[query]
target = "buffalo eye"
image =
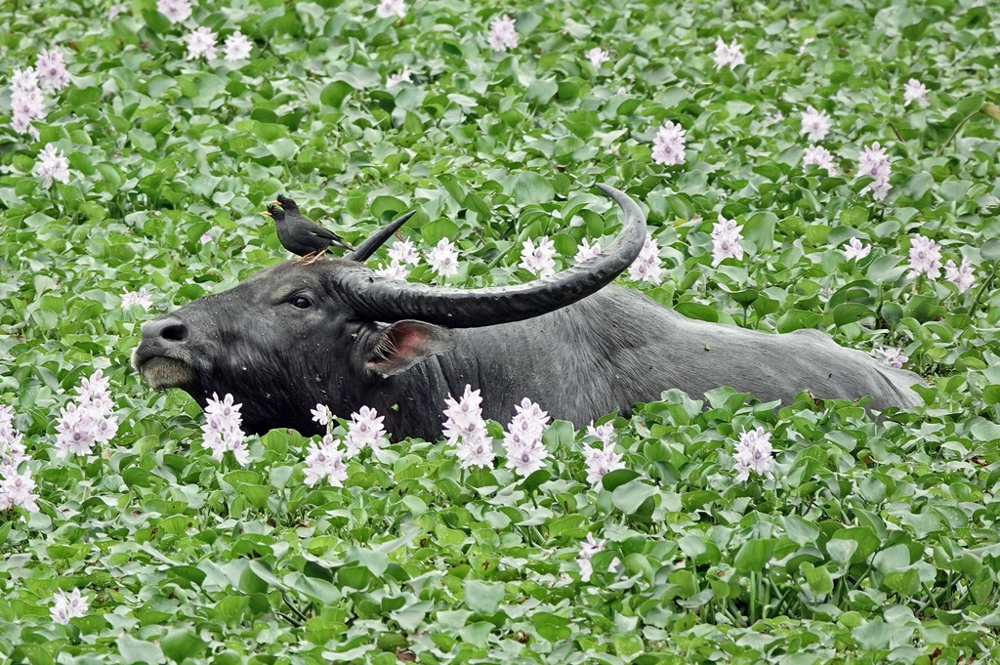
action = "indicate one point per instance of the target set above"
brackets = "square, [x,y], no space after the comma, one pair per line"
[301,302]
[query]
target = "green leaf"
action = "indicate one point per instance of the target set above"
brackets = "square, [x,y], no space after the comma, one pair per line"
[630,496]
[483,597]
[760,230]
[551,627]
[435,231]
[615,479]
[970,104]
[697,311]
[851,313]
[180,644]
[873,635]
[819,578]
[387,206]
[356,577]
[283,148]
[754,555]
[892,559]
[532,188]
[990,249]
[335,93]
[800,531]
[924,308]
[853,217]
[230,609]
[132,650]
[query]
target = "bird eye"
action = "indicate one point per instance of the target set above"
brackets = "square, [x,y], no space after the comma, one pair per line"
[301,302]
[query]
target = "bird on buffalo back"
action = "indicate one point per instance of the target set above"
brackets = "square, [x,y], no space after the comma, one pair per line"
[299,235]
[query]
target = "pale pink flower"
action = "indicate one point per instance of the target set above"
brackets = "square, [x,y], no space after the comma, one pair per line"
[24,80]
[891,357]
[443,259]
[51,70]
[404,252]
[731,55]
[388,8]
[816,124]
[140,298]
[461,412]
[88,421]
[223,429]
[26,103]
[753,454]
[925,257]
[819,156]
[395,270]
[539,260]
[726,237]
[961,276]
[201,43]
[322,415]
[874,163]
[476,450]
[524,457]
[855,249]
[529,420]
[17,489]
[669,144]
[401,76]
[915,91]
[647,267]
[237,47]
[586,251]
[597,57]
[466,428]
[52,165]
[603,433]
[69,606]
[365,430]
[325,460]
[503,35]
[464,417]
[12,450]
[602,461]
[523,439]
[175,10]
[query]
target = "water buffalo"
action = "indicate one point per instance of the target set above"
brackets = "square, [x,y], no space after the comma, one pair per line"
[292,336]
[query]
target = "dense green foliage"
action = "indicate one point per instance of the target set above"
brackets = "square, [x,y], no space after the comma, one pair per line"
[874,541]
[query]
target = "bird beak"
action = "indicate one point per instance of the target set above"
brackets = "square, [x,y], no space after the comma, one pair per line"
[276,203]
[266,212]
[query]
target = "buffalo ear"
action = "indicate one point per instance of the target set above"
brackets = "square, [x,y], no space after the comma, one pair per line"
[406,343]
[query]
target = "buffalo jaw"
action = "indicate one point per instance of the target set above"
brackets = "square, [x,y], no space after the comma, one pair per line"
[162,373]
[160,365]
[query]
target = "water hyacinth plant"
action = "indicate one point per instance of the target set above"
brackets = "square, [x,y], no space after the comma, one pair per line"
[827,168]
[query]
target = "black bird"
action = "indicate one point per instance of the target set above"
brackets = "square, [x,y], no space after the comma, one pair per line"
[299,235]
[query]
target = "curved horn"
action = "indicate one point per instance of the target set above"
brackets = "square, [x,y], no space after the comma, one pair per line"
[362,252]
[382,299]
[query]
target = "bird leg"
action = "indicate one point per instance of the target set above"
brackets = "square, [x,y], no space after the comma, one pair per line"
[312,258]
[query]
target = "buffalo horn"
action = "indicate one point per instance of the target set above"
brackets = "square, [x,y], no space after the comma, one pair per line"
[362,252]
[383,299]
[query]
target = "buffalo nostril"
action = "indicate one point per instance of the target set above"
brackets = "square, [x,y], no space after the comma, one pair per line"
[168,328]
[175,333]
